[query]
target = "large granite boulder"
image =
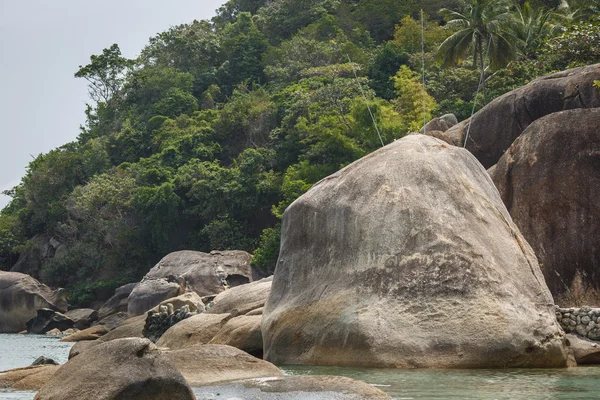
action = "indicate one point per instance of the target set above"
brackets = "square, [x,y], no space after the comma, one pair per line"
[29,378]
[206,364]
[549,180]
[296,387]
[496,126]
[42,249]
[82,317]
[20,298]
[132,369]
[408,258]
[242,299]
[150,292]
[118,302]
[199,329]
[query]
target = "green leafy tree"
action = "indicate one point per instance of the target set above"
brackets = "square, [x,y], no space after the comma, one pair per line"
[105,73]
[413,104]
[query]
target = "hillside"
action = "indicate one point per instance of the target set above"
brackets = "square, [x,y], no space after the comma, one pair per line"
[204,140]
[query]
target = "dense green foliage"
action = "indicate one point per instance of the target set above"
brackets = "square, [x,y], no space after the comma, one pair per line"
[204,140]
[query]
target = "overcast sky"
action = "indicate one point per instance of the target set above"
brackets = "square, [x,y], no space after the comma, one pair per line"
[43,42]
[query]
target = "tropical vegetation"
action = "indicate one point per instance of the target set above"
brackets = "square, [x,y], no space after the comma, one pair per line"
[203,140]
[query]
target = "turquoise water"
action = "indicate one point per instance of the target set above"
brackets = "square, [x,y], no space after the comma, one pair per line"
[513,384]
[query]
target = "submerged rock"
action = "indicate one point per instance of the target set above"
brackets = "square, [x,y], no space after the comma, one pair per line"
[119,370]
[297,388]
[43,360]
[549,181]
[20,298]
[408,258]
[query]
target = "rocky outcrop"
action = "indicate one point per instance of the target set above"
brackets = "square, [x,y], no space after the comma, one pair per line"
[20,298]
[150,292]
[82,317]
[46,320]
[242,332]
[549,180]
[121,369]
[118,302]
[408,258]
[199,329]
[242,299]
[206,364]
[296,387]
[585,351]
[42,249]
[29,378]
[497,125]
[93,333]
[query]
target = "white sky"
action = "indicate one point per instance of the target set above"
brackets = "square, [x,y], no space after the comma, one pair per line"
[42,44]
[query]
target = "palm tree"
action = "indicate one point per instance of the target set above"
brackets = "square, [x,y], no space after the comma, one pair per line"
[482,29]
[531,26]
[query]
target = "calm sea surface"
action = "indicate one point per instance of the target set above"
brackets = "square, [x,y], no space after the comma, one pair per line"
[515,384]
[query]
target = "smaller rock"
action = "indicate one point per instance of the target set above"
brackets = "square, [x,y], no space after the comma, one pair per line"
[54,331]
[47,320]
[41,360]
[29,378]
[586,352]
[82,317]
[130,328]
[206,364]
[113,320]
[585,320]
[118,302]
[199,329]
[93,333]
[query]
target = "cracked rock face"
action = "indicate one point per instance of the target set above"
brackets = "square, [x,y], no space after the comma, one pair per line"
[496,126]
[549,181]
[408,258]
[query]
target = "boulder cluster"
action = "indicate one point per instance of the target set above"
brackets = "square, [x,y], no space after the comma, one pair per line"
[413,256]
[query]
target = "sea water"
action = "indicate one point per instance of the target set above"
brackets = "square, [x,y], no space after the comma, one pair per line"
[424,384]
